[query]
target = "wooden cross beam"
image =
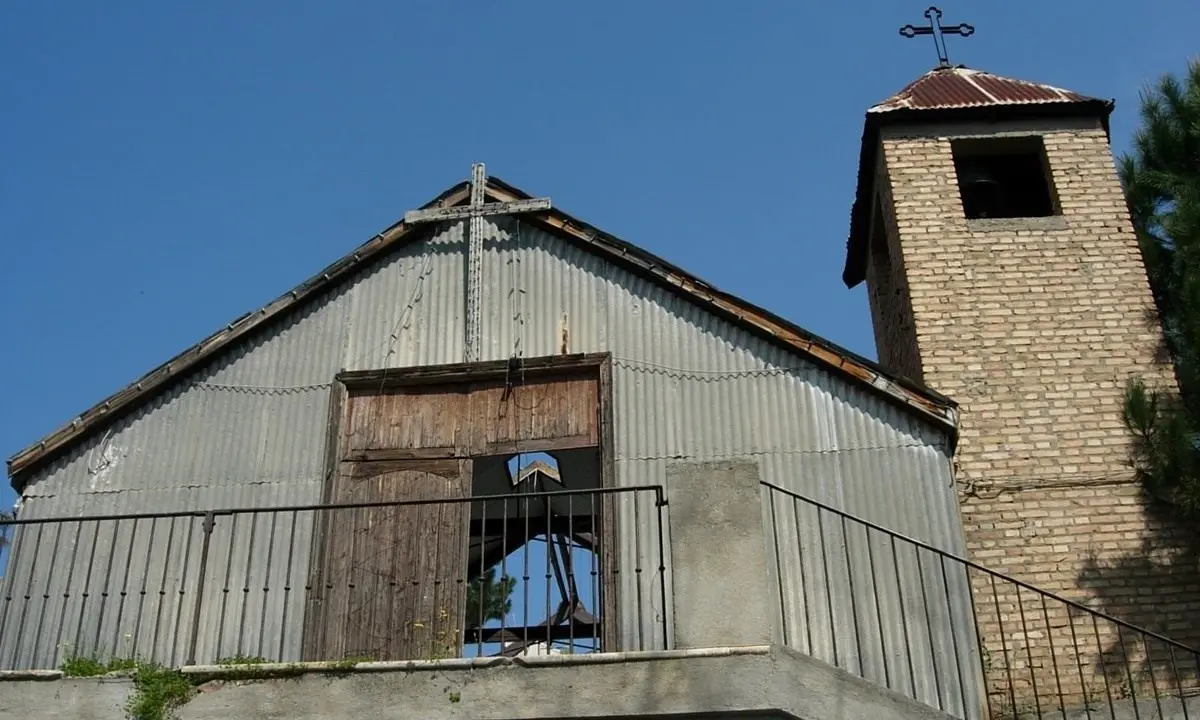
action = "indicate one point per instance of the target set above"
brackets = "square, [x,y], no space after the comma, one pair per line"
[474,212]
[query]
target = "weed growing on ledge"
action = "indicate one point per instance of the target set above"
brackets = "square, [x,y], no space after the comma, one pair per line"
[157,691]
[235,660]
[345,665]
[90,667]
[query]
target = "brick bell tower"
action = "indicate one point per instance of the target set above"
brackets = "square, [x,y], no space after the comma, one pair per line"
[1003,271]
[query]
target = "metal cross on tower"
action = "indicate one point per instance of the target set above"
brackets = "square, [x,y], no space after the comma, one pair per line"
[939,32]
[474,212]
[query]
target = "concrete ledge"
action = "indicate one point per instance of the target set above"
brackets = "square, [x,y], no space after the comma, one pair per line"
[30,675]
[766,681]
[715,682]
[450,664]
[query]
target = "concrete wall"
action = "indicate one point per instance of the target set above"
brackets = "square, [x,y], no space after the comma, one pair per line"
[722,587]
[1033,326]
[66,699]
[734,682]
[727,683]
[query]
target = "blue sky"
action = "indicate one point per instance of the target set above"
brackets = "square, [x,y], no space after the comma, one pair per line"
[169,166]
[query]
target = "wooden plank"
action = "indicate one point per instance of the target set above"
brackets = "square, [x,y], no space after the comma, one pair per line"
[535,414]
[465,211]
[314,611]
[610,618]
[397,574]
[402,454]
[336,582]
[542,444]
[358,598]
[584,363]
[407,418]
[453,545]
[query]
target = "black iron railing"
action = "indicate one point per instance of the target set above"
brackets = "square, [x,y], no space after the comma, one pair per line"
[419,579]
[955,635]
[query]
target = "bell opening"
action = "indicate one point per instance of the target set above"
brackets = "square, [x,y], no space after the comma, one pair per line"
[1003,178]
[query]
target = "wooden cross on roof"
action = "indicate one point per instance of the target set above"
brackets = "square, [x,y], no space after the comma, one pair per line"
[474,212]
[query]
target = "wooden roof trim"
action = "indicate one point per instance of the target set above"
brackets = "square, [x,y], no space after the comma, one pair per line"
[922,400]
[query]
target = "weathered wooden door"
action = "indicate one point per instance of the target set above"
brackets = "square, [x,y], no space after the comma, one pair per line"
[389,582]
[392,577]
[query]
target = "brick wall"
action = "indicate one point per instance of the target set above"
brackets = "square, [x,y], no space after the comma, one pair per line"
[1033,326]
[887,289]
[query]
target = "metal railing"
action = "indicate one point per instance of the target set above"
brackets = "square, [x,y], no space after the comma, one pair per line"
[955,635]
[418,579]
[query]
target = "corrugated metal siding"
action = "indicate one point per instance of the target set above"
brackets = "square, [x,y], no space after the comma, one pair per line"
[687,385]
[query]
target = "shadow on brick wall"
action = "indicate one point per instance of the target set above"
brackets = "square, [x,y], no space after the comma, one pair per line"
[1156,588]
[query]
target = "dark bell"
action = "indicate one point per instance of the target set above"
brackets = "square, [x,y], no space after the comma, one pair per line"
[982,193]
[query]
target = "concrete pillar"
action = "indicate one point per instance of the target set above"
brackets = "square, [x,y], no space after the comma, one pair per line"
[718,555]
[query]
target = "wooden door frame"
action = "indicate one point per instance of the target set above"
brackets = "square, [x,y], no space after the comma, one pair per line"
[598,365]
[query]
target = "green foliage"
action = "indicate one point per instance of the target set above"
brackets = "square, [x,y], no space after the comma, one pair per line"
[490,596]
[235,660]
[1161,177]
[79,666]
[346,664]
[5,530]
[249,668]
[158,692]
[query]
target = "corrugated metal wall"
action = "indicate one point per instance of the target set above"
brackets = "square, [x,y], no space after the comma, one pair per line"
[250,430]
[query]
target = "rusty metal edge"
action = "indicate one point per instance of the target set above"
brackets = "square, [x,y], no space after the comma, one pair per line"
[932,405]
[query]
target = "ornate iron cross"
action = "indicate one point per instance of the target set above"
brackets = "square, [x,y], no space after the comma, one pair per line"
[939,32]
[474,212]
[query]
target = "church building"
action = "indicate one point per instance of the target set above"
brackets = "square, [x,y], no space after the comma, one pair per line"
[496,441]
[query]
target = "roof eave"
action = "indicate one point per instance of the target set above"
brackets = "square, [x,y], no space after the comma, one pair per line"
[854,271]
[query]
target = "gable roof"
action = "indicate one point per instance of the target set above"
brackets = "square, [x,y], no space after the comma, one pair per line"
[951,94]
[923,401]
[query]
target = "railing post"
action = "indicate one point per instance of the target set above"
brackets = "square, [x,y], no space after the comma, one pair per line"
[209,521]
